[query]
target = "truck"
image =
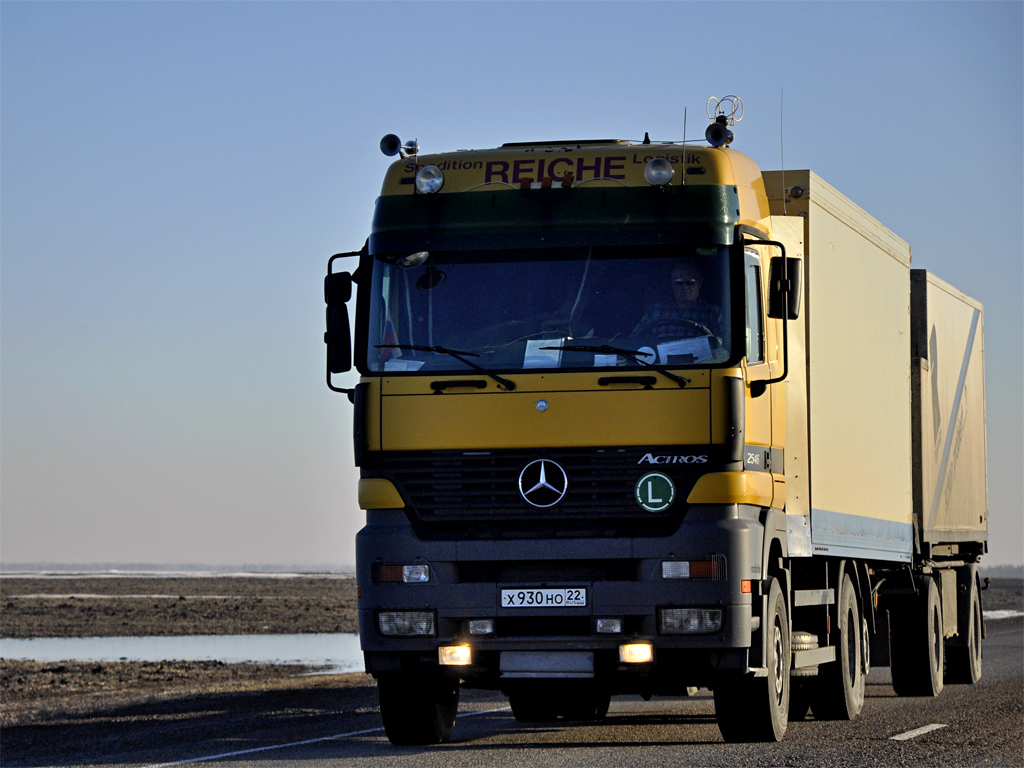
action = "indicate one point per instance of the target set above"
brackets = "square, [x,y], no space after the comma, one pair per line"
[635,418]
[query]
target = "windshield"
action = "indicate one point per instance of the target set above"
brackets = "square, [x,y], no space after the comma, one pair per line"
[559,308]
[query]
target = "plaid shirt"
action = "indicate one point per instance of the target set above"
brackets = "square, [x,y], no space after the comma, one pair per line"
[663,319]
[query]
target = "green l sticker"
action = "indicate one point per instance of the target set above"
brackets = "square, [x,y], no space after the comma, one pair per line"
[655,492]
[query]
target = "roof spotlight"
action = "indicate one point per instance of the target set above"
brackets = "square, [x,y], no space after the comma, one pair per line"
[429,179]
[659,172]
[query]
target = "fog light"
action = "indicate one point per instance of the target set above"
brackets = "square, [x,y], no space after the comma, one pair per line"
[636,653]
[609,626]
[454,655]
[406,623]
[481,627]
[429,179]
[690,621]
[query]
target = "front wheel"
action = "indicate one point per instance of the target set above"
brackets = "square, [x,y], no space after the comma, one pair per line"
[418,710]
[752,709]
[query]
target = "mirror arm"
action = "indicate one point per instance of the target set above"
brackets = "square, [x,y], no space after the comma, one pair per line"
[758,388]
[350,393]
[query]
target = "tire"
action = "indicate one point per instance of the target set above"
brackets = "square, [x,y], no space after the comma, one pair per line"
[838,692]
[963,662]
[418,710]
[917,646]
[752,709]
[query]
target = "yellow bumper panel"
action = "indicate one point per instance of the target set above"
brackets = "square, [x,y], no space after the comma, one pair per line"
[377,493]
[733,488]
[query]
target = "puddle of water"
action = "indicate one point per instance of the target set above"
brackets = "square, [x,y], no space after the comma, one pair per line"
[340,652]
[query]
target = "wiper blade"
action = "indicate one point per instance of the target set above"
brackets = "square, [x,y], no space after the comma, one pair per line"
[629,354]
[458,355]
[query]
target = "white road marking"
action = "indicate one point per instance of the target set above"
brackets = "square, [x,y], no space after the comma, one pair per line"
[335,737]
[918,732]
[996,615]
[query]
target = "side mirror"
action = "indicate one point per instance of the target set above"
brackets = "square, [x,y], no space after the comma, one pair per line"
[784,300]
[338,338]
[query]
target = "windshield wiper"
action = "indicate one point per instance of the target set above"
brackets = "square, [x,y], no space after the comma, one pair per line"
[629,354]
[458,355]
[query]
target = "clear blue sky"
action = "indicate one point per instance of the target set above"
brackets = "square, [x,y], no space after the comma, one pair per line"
[173,177]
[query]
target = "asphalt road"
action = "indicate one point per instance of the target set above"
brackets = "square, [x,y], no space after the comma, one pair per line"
[981,725]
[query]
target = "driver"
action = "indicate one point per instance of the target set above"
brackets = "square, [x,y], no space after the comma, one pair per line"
[687,314]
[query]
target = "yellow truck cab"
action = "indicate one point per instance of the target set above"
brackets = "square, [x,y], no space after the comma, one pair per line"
[589,389]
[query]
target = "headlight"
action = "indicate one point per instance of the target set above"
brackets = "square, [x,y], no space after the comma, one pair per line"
[406,623]
[659,172]
[690,621]
[429,179]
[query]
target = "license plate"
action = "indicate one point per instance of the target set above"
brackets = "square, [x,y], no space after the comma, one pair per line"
[569,597]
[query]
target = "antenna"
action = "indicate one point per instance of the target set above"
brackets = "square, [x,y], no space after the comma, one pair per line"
[782,143]
[683,179]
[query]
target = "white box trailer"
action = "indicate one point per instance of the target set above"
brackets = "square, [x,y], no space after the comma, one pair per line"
[948,394]
[850,373]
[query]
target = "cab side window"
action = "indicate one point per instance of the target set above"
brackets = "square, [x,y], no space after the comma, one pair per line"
[755,325]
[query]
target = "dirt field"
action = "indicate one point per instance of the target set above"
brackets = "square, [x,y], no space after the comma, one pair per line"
[137,606]
[36,692]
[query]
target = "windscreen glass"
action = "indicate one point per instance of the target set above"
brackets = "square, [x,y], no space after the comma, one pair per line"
[555,309]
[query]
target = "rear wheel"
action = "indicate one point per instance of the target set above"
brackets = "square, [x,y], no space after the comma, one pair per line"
[418,710]
[839,689]
[917,646]
[757,708]
[963,662]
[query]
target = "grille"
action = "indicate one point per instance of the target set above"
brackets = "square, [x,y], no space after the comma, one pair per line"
[454,485]
[541,571]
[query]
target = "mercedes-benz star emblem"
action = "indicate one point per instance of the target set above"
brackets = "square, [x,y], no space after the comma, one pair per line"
[543,483]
